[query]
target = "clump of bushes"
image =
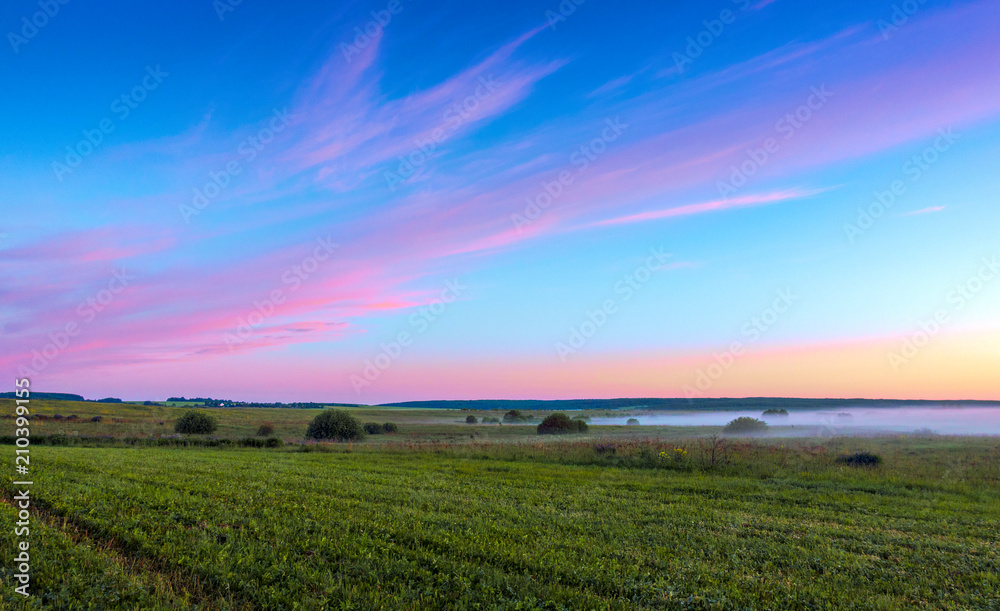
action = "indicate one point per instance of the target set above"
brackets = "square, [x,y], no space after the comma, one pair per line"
[265,430]
[515,416]
[390,427]
[195,422]
[57,417]
[373,428]
[471,420]
[96,419]
[745,424]
[337,425]
[632,421]
[490,420]
[558,424]
[860,459]
[775,412]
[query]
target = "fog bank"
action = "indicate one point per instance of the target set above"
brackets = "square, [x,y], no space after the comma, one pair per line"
[846,421]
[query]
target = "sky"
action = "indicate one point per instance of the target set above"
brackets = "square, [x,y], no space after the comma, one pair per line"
[403,200]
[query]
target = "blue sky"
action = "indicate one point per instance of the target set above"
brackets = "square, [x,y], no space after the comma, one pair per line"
[643,110]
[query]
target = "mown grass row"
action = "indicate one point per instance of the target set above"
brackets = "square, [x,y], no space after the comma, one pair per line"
[431,529]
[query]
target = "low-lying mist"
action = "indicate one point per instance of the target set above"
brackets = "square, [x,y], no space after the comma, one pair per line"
[845,421]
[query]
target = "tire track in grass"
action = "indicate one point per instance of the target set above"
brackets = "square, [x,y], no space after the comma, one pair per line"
[141,568]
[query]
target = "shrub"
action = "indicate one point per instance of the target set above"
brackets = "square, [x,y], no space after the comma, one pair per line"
[390,427]
[775,412]
[860,459]
[513,416]
[264,430]
[195,422]
[373,428]
[335,424]
[273,442]
[633,421]
[471,420]
[490,420]
[57,417]
[558,424]
[96,419]
[745,424]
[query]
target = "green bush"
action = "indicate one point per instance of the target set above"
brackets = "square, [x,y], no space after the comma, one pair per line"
[337,425]
[273,442]
[560,424]
[514,416]
[745,424]
[264,430]
[775,412]
[490,420]
[860,459]
[196,422]
[373,428]
[471,420]
[632,421]
[390,427]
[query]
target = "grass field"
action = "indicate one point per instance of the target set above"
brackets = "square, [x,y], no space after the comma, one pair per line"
[615,519]
[516,526]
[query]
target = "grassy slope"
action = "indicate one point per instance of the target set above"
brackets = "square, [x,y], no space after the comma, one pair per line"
[496,527]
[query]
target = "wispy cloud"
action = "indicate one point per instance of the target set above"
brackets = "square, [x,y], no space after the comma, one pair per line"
[928,210]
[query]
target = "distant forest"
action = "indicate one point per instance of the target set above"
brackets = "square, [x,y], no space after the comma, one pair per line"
[750,403]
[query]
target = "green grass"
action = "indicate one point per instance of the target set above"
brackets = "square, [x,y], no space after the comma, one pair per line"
[562,525]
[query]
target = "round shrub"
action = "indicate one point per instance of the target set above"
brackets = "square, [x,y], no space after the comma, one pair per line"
[471,420]
[860,459]
[195,422]
[373,428]
[335,424]
[560,424]
[273,442]
[745,424]
[514,416]
[264,430]
[96,419]
[390,427]
[632,421]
